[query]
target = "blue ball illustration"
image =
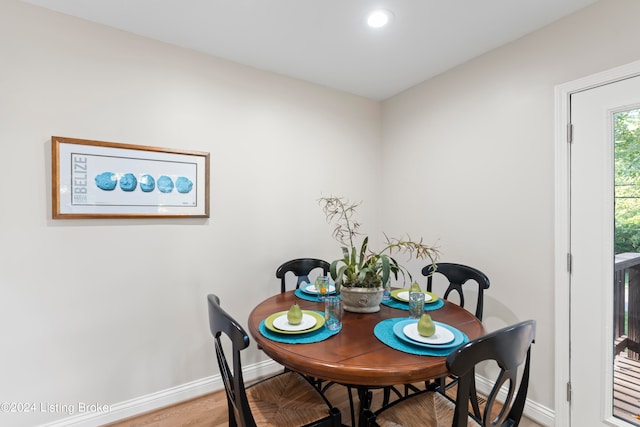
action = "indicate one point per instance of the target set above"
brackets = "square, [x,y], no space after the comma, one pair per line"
[106,181]
[128,182]
[183,185]
[165,184]
[147,183]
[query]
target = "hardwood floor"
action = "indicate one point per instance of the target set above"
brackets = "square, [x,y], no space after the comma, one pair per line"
[211,411]
[207,411]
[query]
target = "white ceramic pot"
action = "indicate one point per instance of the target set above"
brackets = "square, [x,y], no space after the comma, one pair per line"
[361,300]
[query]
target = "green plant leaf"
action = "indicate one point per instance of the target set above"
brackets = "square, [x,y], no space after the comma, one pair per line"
[386,268]
[362,266]
[363,252]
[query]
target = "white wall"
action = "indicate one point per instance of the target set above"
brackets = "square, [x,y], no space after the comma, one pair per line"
[470,159]
[110,310]
[106,311]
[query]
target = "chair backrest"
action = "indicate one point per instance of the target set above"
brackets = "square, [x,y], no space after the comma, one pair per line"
[300,267]
[510,348]
[220,322]
[458,275]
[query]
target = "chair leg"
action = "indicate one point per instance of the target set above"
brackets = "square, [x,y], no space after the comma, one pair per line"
[386,396]
[351,407]
[367,419]
[387,393]
[365,395]
[473,395]
[336,417]
[231,414]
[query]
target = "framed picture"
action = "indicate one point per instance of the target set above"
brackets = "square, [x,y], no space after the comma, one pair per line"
[95,179]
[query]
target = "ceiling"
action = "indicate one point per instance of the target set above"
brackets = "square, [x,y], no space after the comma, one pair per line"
[326,41]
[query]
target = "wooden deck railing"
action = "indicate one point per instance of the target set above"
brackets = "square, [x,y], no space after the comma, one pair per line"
[627,299]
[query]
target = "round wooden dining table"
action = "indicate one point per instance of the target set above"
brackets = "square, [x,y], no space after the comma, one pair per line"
[354,356]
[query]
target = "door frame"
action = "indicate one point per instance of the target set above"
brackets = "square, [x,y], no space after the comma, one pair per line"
[562,95]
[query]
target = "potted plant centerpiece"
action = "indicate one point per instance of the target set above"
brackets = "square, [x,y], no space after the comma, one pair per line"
[361,274]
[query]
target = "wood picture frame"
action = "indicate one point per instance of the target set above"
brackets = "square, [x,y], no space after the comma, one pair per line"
[97,179]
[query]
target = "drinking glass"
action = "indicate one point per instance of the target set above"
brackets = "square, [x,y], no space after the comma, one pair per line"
[333,312]
[416,304]
[386,295]
[322,286]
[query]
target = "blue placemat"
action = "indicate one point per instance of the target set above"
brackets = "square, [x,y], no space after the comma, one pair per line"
[318,335]
[308,297]
[401,305]
[384,332]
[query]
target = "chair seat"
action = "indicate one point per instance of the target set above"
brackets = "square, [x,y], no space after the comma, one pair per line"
[286,400]
[426,409]
[509,348]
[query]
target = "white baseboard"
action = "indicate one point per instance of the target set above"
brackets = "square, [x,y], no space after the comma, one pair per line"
[163,398]
[151,402]
[532,410]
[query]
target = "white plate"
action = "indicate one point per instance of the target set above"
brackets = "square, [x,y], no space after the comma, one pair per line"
[404,296]
[281,322]
[441,336]
[311,289]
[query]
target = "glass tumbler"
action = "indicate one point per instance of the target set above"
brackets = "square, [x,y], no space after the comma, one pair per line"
[333,312]
[416,304]
[386,295]
[322,286]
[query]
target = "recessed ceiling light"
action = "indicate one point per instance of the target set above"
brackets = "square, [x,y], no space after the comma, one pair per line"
[379,18]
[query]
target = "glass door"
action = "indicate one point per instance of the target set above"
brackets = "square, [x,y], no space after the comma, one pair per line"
[605,263]
[626,296]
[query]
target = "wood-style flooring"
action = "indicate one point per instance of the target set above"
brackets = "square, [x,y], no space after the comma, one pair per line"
[211,411]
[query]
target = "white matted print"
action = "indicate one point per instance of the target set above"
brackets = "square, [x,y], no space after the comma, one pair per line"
[95,179]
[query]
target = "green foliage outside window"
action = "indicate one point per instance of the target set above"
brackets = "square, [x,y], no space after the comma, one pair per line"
[627,181]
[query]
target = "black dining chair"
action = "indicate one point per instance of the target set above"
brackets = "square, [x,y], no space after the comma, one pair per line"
[509,347]
[285,399]
[300,267]
[460,277]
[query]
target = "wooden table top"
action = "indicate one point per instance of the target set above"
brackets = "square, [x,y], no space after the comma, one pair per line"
[355,356]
